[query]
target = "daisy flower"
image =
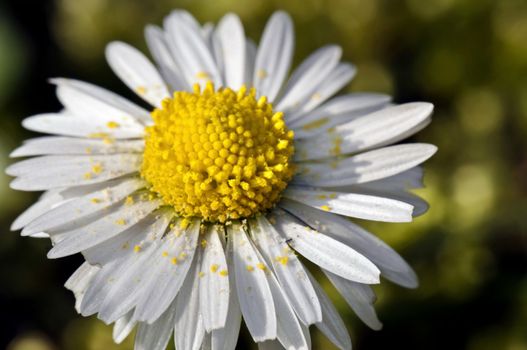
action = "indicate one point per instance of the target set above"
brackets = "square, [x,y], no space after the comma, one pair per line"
[195,212]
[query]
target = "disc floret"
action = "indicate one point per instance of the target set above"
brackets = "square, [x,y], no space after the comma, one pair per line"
[218,155]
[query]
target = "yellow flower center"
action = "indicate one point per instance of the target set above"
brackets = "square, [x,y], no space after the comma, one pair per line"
[218,155]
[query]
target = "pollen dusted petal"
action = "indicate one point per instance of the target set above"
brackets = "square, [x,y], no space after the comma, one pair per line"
[218,155]
[214,285]
[252,287]
[288,270]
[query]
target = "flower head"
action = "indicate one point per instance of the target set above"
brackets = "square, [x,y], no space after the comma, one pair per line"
[194,214]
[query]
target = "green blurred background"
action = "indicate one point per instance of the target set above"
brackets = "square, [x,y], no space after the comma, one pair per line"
[467,57]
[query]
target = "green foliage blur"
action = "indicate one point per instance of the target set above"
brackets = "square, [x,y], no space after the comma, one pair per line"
[468,57]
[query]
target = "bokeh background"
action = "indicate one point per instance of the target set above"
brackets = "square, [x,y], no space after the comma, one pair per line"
[468,57]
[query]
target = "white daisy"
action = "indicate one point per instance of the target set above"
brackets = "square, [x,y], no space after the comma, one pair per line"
[182,212]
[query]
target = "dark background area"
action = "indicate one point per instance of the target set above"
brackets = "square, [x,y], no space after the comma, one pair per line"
[468,57]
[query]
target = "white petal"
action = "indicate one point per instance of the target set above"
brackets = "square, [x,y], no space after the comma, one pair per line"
[392,266]
[79,282]
[116,288]
[47,172]
[214,284]
[324,251]
[189,330]
[108,282]
[158,46]
[213,43]
[289,330]
[379,128]
[332,325]
[40,235]
[410,179]
[364,167]
[336,80]
[155,336]
[346,106]
[166,275]
[94,127]
[190,51]
[231,37]
[83,206]
[351,204]
[274,55]
[38,164]
[123,327]
[338,110]
[44,203]
[103,229]
[119,247]
[307,335]
[187,18]
[308,75]
[420,206]
[256,300]
[359,297]
[88,100]
[250,58]
[52,145]
[288,270]
[226,338]
[137,72]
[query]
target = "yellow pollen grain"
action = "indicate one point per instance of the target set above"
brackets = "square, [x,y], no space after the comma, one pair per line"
[97,168]
[315,125]
[316,96]
[164,254]
[336,150]
[112,125]
[282,259]
[322,196]
[223,273]
[201,274]
[105,137]
[261,73]
[121,222]
[218,154]
[202,75]
[261,266]
[141,90]
[184,223]
[173,261]
[129,200]
[98,135]
[203,243]
[214,268]
[95,200]
[137,248]
[325,207]
[250,268]
[88,175]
